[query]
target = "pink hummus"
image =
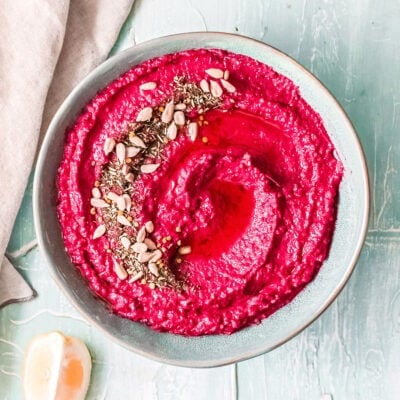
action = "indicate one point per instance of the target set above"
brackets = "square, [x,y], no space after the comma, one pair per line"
[255,200]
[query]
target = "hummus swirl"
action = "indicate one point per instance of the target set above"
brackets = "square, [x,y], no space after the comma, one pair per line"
[254,196]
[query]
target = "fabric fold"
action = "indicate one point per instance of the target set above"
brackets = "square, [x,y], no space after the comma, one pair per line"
[13,288]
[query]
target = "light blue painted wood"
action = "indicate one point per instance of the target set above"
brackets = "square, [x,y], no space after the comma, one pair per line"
[353,350]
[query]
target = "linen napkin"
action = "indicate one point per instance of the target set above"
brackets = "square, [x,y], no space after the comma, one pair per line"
[46,48]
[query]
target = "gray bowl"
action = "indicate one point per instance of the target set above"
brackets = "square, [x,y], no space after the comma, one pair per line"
[213,350]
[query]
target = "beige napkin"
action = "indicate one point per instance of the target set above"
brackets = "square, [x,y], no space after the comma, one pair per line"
[46,47]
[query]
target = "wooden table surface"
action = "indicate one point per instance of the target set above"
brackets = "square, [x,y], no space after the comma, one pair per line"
[352,352]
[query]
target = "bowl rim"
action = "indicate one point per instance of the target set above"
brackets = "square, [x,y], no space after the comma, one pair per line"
[40,167]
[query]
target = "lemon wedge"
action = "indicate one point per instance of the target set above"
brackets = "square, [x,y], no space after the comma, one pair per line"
[56,367]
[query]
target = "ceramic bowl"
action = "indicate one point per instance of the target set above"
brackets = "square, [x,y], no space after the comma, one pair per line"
[213,350]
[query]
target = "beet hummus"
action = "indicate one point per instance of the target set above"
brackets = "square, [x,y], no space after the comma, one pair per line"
[197,192]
